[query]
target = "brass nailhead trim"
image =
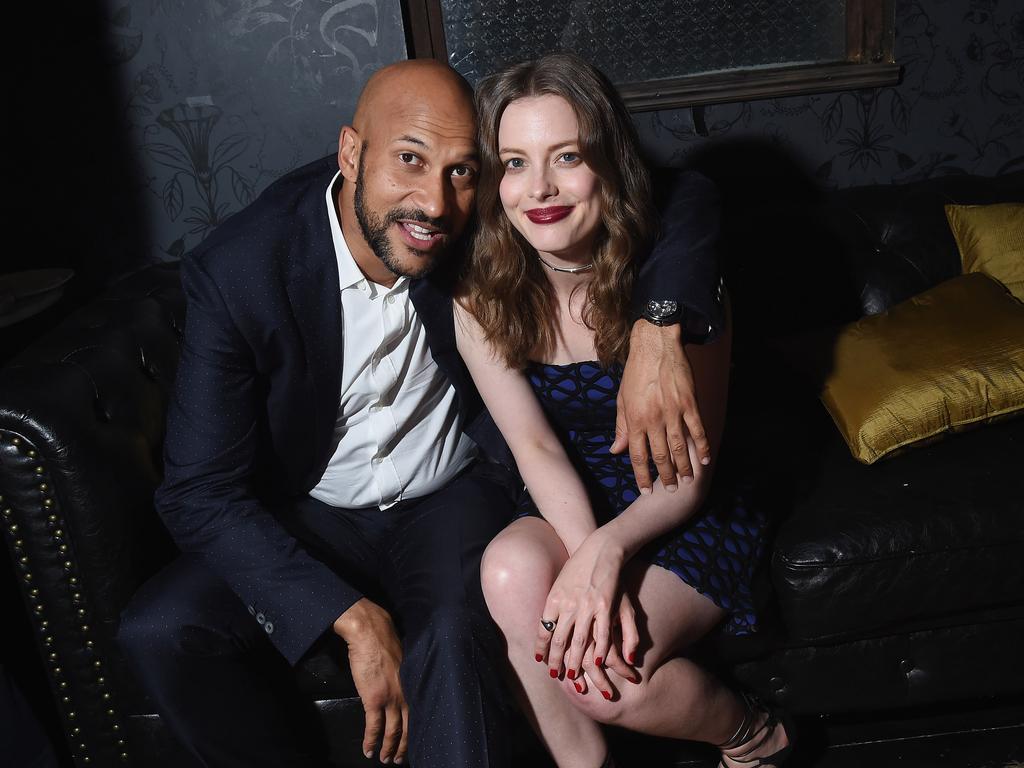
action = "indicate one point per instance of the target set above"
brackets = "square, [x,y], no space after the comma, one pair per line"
[23,560]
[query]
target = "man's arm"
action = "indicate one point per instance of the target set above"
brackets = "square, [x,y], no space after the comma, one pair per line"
[207,502]
[683,265]
[657,405]
[206,498]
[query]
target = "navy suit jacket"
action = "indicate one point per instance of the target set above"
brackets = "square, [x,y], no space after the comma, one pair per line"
[259,382]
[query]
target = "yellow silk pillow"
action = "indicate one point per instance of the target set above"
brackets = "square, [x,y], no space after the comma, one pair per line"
[991,240]
[946,359]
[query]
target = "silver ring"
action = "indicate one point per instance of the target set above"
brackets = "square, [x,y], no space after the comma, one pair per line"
[548,624]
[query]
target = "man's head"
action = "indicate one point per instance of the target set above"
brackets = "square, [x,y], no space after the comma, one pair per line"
[410,163]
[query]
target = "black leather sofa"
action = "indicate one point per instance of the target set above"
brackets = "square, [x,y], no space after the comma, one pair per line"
[892,587]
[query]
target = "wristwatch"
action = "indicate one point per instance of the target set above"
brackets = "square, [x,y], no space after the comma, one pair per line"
[661,312]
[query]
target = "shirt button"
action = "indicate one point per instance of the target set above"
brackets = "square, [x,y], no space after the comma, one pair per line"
[376,460]
[374,408]
[390,299]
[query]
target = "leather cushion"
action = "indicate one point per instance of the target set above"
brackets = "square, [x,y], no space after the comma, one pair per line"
[931,534]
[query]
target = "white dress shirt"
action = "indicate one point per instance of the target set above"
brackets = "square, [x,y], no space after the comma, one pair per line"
[398,434]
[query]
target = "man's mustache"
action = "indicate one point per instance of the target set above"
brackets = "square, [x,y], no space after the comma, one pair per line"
[439,223]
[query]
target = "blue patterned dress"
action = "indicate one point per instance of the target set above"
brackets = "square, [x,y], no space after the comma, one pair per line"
[715,551]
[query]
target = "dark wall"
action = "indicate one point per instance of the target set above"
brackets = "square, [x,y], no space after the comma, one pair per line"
[959,108]
[139,125]
[221,98]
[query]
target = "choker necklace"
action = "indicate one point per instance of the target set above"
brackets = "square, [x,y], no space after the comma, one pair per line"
[567,270]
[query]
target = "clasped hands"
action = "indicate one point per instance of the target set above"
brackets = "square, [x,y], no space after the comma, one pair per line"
[594,620]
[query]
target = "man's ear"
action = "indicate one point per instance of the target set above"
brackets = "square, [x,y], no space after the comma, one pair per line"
[349,147]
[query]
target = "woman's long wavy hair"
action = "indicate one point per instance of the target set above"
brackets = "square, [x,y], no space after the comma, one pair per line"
[504,284]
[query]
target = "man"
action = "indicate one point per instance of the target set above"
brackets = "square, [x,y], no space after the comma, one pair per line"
[321,453]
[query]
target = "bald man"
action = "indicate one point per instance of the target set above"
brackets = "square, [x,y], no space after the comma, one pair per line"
[330,471]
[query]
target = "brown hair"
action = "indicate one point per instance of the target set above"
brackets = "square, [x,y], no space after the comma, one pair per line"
[504,284]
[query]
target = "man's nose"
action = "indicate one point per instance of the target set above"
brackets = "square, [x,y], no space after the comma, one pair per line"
[432,195]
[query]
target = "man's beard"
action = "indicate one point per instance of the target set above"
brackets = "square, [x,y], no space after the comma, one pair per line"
[375,232]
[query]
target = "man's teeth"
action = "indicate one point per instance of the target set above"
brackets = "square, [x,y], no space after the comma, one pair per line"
[420,233]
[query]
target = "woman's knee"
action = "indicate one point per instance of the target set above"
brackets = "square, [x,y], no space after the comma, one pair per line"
[516,573]
[512,568]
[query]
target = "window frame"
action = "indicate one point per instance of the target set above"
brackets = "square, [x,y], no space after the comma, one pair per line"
[869,63]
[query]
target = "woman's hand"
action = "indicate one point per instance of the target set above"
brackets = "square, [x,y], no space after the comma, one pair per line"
[613,658]
[581,602]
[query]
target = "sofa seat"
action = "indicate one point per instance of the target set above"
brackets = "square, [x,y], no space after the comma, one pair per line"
[928,535]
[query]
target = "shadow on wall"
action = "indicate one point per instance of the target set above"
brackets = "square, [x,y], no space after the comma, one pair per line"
[778,251]
[77,203]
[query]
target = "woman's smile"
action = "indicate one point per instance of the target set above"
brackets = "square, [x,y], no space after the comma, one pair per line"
[549,214]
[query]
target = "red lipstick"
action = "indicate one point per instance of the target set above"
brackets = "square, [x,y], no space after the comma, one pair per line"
[548,215]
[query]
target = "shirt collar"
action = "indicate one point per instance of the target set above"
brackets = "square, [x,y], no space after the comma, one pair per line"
[349,274]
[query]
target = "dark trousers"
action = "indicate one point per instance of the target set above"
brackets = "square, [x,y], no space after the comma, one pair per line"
[216,679]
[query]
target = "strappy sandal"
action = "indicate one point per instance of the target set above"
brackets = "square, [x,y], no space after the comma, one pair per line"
[753,736]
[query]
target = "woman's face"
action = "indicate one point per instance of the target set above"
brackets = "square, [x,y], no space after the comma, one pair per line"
[549,194]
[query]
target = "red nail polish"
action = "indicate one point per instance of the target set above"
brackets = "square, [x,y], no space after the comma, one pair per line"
[539,657]
[579,688]
[606,695]
[632,658]
[553,672]
[599,660]
[571,674]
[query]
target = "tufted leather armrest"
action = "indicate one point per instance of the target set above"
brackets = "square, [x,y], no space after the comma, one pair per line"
[820,259]
[81,428]
[896,240]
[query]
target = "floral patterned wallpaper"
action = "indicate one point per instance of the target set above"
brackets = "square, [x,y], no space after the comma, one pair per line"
[958,109]
[148,122]
[221,97]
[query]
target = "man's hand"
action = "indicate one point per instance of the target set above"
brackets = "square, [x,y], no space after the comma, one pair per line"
[657,406]
[375,654]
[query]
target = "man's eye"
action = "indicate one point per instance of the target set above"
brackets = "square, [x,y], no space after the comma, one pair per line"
[409,158]
[463,171]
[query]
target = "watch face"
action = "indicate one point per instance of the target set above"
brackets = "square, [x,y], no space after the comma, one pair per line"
[662,309]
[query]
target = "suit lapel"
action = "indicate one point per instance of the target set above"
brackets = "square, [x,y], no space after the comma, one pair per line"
[316,305]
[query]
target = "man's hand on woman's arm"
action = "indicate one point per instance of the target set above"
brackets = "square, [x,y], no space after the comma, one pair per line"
[678,290]
[657,407]
[375,655]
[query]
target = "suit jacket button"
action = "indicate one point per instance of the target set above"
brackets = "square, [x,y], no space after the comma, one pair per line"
[269,627]
[252,611]
[260,618]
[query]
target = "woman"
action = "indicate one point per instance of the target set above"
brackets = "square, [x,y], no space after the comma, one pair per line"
[543,324]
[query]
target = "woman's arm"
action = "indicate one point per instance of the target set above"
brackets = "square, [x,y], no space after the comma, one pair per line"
[604,553]
[551,479]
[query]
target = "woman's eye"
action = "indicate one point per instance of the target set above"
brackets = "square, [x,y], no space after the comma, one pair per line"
[514,163]
[568,157]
